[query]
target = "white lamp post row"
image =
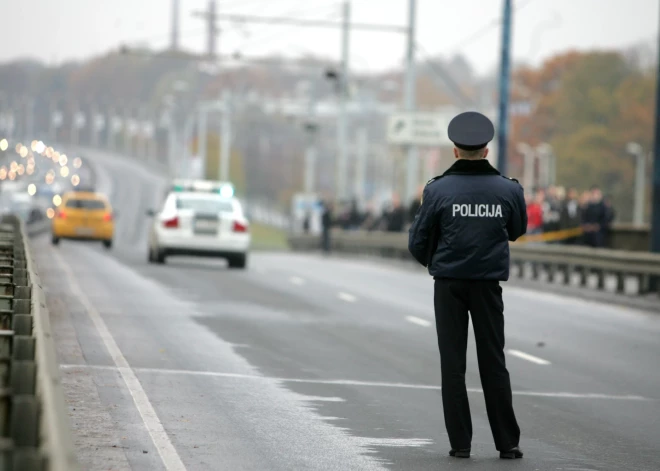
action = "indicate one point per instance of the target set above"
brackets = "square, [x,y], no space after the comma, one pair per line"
[548,171]
[548,165]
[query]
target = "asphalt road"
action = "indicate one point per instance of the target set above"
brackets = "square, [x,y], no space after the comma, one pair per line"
[306,362]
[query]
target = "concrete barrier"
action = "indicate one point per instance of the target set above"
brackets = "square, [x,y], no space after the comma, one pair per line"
[630,237]
[616,271]
[36,433]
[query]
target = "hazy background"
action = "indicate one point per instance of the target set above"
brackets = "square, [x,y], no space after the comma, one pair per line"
[55,31]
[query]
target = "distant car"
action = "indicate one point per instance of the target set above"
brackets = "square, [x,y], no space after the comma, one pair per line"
[200,218]
[84,216]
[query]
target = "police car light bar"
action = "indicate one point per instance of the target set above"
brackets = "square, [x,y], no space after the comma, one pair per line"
[225,189]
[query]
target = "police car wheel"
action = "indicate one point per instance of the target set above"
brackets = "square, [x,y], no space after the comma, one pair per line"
[238,261]
[159,256]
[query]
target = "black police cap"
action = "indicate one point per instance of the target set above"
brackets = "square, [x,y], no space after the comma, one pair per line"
[471,131]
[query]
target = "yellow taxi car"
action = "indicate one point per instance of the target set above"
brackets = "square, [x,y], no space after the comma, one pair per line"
[84,216]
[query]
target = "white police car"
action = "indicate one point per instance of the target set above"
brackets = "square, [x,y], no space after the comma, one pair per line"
[200,218]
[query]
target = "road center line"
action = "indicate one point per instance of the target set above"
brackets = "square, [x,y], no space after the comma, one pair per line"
[418,321]
[528,357]
[296,280]
[349,382]
[168,454]
[349,298]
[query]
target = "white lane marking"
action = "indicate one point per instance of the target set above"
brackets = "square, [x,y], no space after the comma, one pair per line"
[528,357]
[349,382]
[321,398]
[418,321]
[349,298]
[395,442]
[168,454]
[296,280]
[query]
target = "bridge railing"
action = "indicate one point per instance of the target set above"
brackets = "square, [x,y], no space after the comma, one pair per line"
[35,430]
[619,271]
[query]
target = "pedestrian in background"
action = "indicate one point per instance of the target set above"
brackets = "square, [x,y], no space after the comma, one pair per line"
[570,214]
[595,219]
[551,210]
[610,214]
[534,214]
[326,226]
[396,221]
[461,234]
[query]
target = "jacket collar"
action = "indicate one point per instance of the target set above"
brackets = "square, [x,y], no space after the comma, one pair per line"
[471,167]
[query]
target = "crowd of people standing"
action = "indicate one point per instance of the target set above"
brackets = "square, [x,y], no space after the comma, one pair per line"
[549,210]
[555,209]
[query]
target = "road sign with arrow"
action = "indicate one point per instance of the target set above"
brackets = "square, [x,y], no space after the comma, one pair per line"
[419,129]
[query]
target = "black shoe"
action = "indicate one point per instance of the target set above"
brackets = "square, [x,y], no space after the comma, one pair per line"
[463,453]
[511,454]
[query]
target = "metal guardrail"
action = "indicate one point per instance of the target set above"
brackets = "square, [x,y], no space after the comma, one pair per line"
[38,227]
[36,434]
[611,270]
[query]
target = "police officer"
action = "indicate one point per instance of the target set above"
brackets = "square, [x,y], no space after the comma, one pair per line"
[461,233]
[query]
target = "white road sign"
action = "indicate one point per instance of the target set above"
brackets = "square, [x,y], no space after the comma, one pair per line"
[421,129]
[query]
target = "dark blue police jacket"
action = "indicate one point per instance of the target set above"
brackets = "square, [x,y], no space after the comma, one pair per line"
[467,218]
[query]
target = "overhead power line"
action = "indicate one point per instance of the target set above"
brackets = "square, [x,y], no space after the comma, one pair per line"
[445,78]
[485,29]
[310,23]
[259,38]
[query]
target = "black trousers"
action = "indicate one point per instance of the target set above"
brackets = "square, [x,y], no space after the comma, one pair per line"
[483,299]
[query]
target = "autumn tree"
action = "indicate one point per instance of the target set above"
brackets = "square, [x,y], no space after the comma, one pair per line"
[588,106]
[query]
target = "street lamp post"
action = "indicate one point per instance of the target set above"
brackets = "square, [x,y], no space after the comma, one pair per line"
[225,136]
[548,166]
[636,149]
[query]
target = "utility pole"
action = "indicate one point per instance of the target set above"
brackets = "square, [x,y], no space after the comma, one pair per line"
[127,131]
[171,141]
[655,204]
[110,129]
[310,159]
[52,127]
[311,129]
[362,151]
[174,41]
[143,136]
[640,179]
[74,124]
[342,122]
[412,175]
[29,118]
[186,153]
[152,141]
[202,124]
[547,164]
[655,218]
[505,72]
[343,80]
[211,17]
[94,125]
[225,139]
[529,155]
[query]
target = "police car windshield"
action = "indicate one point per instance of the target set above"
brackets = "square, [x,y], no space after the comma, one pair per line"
[205,204]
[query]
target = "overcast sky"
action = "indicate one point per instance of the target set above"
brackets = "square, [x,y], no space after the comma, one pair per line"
[57,30]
